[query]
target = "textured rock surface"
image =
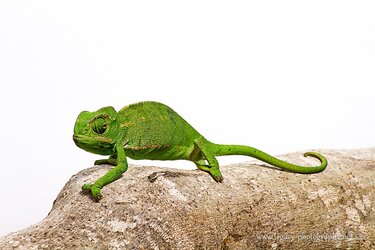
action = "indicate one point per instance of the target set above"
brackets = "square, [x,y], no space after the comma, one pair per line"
[255,207]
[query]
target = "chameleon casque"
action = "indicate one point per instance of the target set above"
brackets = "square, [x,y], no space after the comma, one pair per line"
[152,130]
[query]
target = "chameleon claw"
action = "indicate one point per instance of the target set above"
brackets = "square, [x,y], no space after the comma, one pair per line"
[95,191]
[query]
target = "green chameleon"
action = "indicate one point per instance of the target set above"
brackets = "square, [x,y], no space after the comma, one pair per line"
[152,130]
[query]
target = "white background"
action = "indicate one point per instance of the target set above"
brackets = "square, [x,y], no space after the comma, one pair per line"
[282,76]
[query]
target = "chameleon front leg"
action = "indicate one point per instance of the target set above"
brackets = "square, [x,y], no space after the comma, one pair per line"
[112,175]
[213,164]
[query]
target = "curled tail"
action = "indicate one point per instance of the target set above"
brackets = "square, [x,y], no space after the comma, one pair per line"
[220,150]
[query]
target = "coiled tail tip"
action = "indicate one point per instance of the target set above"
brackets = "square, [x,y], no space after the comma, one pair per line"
[321,158]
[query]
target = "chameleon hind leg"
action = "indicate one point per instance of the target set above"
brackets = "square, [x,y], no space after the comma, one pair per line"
[213,165]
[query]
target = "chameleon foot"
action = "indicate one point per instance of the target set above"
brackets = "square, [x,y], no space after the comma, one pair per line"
[214,171]
[218,178]
[95,191]
[216,174]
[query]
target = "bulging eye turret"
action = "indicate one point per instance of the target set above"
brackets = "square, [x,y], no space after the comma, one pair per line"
[99,125]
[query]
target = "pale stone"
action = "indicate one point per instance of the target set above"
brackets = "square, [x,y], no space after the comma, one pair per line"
[255,207]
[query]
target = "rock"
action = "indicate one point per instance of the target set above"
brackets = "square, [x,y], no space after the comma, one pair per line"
[256,206]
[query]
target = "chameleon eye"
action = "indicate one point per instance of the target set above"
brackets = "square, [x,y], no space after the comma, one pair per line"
[99,126]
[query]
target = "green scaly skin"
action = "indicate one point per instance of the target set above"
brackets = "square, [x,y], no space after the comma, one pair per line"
[152,130]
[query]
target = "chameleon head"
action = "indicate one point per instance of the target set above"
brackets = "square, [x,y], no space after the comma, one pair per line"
[96,132]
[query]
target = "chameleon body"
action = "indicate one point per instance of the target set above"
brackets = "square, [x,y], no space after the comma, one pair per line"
[152,130]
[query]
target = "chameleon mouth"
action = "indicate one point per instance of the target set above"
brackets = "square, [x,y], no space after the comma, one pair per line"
[79,139]
[75,138]
[88,139]
[95,142]
[97,145]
